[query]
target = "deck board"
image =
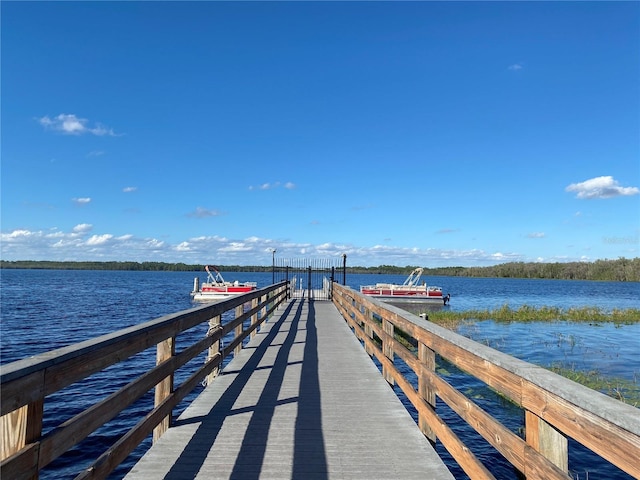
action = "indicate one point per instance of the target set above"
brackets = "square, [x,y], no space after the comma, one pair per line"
[301,401]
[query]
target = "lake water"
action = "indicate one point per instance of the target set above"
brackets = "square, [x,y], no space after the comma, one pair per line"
[47,309]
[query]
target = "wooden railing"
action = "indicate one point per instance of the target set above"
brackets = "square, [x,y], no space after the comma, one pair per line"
[555,408]
[25,384]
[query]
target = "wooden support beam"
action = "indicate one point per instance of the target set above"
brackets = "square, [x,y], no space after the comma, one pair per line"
[165,351]
[254,317]
[238,330]
[426,390]
[545,439]
[214,349]
[387,349]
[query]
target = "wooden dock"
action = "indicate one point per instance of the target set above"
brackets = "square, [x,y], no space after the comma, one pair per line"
[302,400]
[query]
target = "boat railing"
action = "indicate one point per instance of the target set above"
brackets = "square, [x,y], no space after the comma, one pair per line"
[554,408]
[26,384]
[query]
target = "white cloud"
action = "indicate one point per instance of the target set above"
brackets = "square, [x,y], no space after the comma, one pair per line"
[70,124]
[600,188]
[129,189]
[236,247]
[16,234]
[535,235]
[81,200]
[82,228]
[99,239]
[183,247]
[515,67]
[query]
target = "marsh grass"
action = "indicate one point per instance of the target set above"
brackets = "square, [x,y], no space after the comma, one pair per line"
[526,313]
[627,391]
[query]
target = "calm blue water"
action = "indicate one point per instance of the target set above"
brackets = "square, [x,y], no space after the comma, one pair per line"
[46,309]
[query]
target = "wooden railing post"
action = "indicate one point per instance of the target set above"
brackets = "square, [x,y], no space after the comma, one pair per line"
[277,293]
[254,317]
[387,349]
[288,282]
[545,439]
[263,312]
[166,349]
[238,330]
[20,428]
[428,359]
[214,349]
[368,331]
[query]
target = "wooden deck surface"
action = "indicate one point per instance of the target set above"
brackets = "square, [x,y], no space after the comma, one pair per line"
[302,401]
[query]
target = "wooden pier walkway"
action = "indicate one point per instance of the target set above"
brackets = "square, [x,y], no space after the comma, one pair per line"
[303,401]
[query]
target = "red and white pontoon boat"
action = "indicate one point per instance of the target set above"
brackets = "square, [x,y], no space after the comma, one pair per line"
[408,292]
[216,288]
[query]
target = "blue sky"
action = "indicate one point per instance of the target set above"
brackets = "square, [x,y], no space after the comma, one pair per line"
[401,133]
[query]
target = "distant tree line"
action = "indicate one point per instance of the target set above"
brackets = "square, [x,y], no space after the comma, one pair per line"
[132,266]
[622,269]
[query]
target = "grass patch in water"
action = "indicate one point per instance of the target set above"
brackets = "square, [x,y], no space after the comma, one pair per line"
[627,391]
[527,313]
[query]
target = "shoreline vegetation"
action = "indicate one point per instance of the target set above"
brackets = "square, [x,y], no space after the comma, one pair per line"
[620,270]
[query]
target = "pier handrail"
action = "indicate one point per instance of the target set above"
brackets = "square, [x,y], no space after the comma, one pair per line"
[25,384]
[555,407]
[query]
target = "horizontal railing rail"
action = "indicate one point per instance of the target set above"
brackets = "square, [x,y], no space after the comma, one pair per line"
[26,384]
[555,408]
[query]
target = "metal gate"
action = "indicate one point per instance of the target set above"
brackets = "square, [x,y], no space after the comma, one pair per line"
[310,278]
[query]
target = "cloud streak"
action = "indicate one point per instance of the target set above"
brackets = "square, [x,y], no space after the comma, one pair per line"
[271,186]
[70,124]
[600,188]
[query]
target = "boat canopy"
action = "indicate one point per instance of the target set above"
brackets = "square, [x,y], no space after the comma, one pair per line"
[413,277]
[217,278]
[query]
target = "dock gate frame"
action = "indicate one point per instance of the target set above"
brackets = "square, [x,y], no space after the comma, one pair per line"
[310,278]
